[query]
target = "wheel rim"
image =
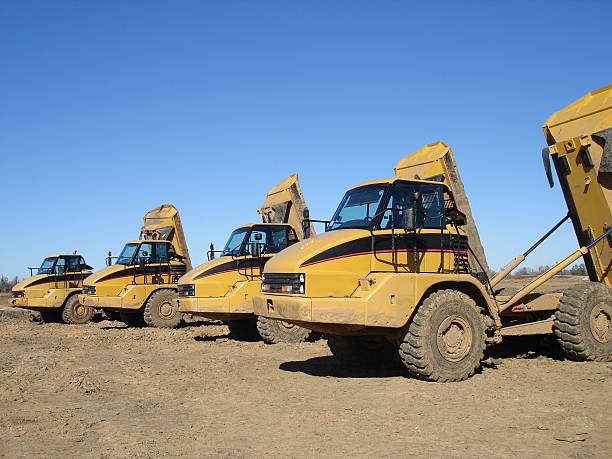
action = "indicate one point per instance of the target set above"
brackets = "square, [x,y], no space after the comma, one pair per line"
[454,338]
[166,310]
[601,322]
[287,325]
[80,310]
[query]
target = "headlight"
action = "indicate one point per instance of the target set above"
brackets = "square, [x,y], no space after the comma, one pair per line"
[283,283]
[89,289]
[18,294]
[186,290]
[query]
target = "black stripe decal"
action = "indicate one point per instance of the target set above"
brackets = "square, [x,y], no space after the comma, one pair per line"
[383,243]
[147,270]
[235,265]
[58,278]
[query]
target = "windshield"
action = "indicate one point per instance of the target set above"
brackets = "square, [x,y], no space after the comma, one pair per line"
[358,207]
[47,266]
[127,254]
[235,242]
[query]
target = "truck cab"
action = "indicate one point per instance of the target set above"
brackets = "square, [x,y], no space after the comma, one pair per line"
[53,288]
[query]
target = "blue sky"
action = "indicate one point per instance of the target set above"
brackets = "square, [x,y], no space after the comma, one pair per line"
[110,108]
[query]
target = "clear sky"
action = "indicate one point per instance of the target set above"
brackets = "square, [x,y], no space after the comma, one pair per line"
[110,108]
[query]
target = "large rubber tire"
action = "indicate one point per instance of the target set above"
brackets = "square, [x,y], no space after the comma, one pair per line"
[361,350]
[243,330]
[583,323]
[276,331]
[75,313]
[445,340]
[51,316]
[132,318]
[161,312]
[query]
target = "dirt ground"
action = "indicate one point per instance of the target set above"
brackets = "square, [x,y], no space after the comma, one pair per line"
[104,390]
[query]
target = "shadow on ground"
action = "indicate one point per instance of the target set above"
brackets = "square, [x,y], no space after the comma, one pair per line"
[330,366]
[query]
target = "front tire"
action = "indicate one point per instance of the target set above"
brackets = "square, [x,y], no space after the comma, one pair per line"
[277,331]
[445,340]
[161,312]
[74,312]
[583,323]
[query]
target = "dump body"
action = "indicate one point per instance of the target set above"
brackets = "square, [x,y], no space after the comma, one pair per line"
[580,144]
[436,162]
[285,203]
[164,222]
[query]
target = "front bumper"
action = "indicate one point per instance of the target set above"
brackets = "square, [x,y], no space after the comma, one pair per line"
[102,302]
[196,305]
[31,303]
[344,311]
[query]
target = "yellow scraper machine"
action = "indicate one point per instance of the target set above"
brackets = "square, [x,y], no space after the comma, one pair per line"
[138,286]
[223,287]
[53,288]
[400,268]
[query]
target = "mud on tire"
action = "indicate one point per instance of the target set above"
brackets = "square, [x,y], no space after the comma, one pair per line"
[75,313]
[361,350]
[276,331]
[445,340]
[159,311]
[583,323]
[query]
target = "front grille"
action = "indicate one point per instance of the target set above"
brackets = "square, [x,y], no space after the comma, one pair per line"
[186,290]
[89,289]
[18,294]
[283,283]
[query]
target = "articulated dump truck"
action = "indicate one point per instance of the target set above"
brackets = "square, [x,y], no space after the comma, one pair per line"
[223,287]
[138,288]
[53,290]
[400,268]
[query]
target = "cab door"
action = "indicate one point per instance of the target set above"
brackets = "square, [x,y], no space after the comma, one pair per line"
[399,249]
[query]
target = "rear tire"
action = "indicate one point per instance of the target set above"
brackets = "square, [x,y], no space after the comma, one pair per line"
[445,340]
[75,313]
[160,311]
[583,323]
[132,318]
[243,330]
[361,350]
[276,331]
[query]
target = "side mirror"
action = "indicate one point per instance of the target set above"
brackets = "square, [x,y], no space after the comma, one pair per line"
[258,236]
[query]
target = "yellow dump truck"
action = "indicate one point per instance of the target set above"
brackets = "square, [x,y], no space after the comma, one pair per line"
[397,271]
[223,288]
[53,290]
[138,288]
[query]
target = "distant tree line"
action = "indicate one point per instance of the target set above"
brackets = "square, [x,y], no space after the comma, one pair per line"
[7,284]
[576,270]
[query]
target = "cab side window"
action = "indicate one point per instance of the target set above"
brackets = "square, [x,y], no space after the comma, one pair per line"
[161,253]
[430,209]
[279,240]
[74,264]
[60,265]
[145,252]
[257,237]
